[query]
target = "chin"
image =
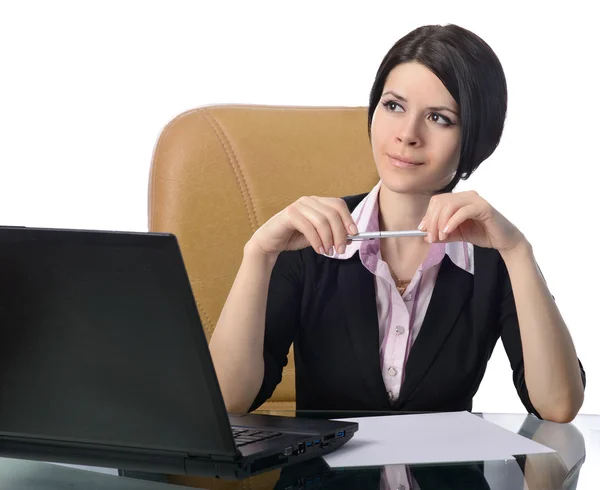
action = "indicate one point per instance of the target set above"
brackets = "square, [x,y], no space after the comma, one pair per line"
[413,183]
[407,184]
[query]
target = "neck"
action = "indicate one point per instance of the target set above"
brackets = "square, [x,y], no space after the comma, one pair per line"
[401,211]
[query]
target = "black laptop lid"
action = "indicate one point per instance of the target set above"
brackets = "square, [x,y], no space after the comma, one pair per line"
[100,341]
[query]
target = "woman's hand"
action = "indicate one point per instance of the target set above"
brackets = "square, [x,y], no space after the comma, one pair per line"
[467,217]
[320,222]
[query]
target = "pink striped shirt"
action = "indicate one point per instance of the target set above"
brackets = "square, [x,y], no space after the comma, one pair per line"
[400,317]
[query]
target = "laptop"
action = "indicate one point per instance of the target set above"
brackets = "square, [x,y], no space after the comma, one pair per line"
[104,362]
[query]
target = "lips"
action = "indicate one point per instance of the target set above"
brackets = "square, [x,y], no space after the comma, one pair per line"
[403,162]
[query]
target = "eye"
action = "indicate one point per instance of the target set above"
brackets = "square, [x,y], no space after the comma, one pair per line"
[437,118]
[392,106]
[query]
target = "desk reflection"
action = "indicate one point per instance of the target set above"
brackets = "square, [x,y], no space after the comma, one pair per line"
[548,471]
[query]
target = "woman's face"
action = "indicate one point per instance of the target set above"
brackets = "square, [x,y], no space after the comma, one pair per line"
[415,132]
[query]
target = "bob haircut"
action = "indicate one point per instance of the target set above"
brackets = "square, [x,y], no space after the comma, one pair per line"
[470,71]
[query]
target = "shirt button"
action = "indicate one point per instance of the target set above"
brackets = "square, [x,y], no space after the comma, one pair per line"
[399,329]
[408,297]
[390,395]
[392,371]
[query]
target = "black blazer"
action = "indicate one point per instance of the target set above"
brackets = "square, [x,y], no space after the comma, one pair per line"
[328,309]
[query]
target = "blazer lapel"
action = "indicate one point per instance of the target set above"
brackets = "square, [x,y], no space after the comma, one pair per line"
[357,286]
[452,290]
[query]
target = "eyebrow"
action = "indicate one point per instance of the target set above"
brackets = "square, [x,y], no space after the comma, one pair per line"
[436,108]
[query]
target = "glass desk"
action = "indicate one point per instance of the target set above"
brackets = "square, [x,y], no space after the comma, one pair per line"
[574,465]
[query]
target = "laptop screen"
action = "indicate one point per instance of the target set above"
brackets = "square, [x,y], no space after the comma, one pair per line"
[101,342]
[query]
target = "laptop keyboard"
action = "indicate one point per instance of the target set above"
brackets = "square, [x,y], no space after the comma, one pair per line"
[248,436]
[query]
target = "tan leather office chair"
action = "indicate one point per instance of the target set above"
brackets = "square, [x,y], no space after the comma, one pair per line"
[218,173]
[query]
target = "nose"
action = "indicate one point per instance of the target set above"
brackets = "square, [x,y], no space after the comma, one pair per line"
[408,132]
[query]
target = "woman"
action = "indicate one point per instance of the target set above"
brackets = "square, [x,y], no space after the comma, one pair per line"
[404,323]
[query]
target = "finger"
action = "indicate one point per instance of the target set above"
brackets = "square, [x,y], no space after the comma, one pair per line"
[432,217]
[320,222]
[446,212]
[338,228]
[304,226]
[342,209]
[470,211]
[441,207]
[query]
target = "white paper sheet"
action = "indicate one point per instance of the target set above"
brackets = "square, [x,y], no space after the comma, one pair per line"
[430,438]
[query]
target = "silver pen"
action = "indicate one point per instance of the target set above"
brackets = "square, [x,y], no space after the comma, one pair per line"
[374,235]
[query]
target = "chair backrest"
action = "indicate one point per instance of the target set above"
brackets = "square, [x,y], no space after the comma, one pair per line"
[218,173]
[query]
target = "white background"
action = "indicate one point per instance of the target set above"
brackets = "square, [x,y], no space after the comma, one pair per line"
[87,86]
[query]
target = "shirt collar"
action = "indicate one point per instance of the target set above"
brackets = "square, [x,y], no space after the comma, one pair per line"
[366,217]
